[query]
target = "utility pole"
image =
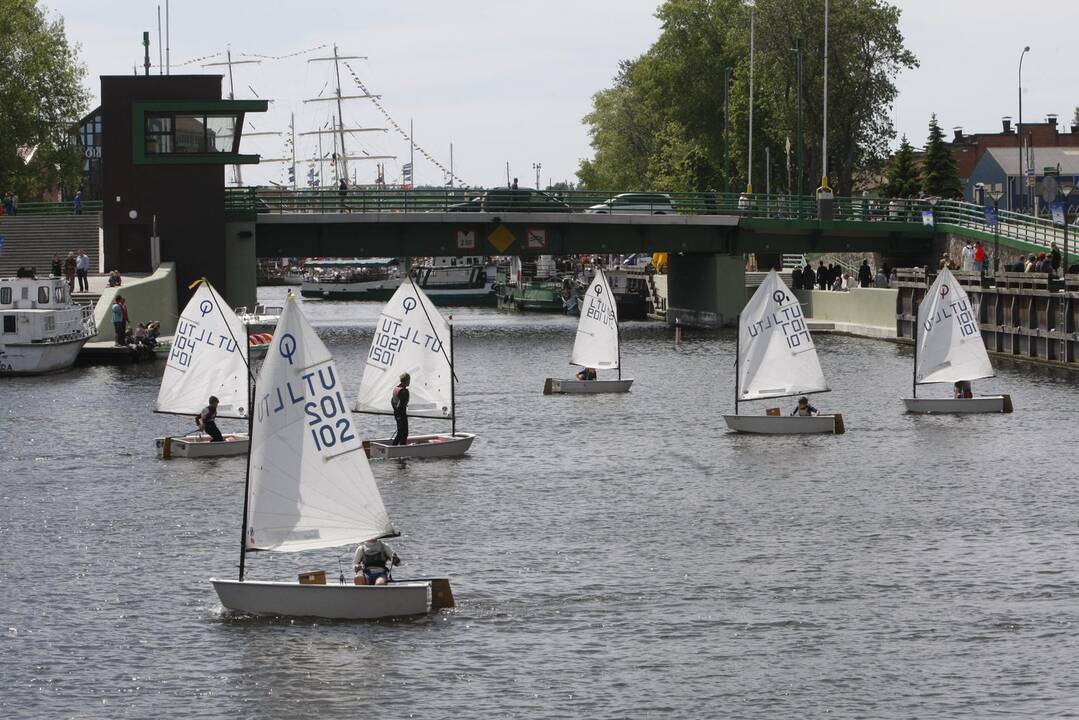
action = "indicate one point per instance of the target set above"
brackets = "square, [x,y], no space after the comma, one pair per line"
[799,139]
[726,127]
[160,49]
[752,44]
[537,167]
[824,140]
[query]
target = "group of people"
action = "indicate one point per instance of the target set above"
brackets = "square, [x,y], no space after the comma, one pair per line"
[10,205]
[832,277]
[142,335]
[975,259]
[76,266]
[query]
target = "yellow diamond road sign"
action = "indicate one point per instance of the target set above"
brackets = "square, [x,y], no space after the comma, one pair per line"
[501,238]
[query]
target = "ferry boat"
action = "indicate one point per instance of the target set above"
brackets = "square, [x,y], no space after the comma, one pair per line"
[42,328]
[445,280]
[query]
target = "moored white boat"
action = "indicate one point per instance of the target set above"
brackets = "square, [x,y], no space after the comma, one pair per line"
[208,356]
[420,446]
[775,358]
[412,336]
[596,345]
[260,319]
[786,424]
[42,329]
[948,348]
[309,486]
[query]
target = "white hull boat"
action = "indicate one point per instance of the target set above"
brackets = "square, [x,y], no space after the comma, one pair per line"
[335,602]
[38,358]
[43,329]
[420,446]
[955,406]
[585,387]
[786,424]
[199,445]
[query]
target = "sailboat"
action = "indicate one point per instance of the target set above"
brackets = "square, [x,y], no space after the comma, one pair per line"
[413,337]
[596,345]
[774,358]
[309,486]
[208,356]
[948,348]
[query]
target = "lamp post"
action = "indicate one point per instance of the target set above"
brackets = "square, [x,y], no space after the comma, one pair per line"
[726,125]
[824,140]
[1066,188]
[1019,191]
[752,44]
[537,167]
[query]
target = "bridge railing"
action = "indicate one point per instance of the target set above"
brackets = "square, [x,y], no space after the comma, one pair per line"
[1030,229]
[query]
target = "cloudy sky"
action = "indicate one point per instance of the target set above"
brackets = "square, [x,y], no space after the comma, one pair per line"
[510,82]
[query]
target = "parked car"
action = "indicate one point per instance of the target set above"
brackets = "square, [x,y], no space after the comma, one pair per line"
[636,203]
[522,200]
[472,205]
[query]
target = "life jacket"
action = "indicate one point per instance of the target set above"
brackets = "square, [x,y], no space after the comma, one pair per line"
[374,559]
[396,399]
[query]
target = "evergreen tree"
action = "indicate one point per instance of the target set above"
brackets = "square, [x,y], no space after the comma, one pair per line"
[940,178]
[903,179]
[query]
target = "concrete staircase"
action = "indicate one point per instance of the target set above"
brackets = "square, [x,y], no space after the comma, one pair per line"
[32,240]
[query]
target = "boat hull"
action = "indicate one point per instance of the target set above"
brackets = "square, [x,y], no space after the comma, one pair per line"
[953,406]
[554,386]
[472,296]
[199,445]
[38,358]
[420,446]
[334,602]
[786,424]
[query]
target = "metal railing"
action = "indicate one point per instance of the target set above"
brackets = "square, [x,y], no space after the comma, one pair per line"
[89,207]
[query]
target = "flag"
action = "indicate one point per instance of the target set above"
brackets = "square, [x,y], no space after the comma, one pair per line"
[927,217]
[406,173]
[1058,213]
[990,215]
[1,243]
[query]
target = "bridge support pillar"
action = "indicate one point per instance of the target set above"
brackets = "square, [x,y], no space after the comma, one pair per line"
[705,290]
[240,263]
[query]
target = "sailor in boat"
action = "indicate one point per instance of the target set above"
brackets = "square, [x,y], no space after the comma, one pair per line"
[399,401]
[804,409]
[964,390]
[373,561]
[207,420]
[586,374]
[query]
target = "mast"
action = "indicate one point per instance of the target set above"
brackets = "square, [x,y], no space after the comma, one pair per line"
[340,117]
[229,62]
[737,364]
[618,341]
[914,371]
[292,134]
[453,387]
[247,472]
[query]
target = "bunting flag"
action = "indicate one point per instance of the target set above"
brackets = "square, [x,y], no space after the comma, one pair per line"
[400,130]
[406,173]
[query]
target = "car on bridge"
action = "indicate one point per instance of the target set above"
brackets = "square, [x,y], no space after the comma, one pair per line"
[636,203]
[512,200]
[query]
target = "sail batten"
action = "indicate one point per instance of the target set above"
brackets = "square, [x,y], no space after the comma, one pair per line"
[950,345]
[411,336]
[208,357]
[777,354]
[309,487]
[596,343]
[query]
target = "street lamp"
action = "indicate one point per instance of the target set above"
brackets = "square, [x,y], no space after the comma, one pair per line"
[824,141]
[537,167]
[1019,192]
[752,41]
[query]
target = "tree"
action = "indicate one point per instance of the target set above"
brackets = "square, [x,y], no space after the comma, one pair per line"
[679,80]
[41,98]
[940,178]
[903,179]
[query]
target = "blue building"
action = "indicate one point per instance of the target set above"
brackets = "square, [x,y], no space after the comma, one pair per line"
[997,174]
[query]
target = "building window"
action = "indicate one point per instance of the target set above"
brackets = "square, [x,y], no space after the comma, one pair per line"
[185,133]
[42,295]
[9,323]
[5,296]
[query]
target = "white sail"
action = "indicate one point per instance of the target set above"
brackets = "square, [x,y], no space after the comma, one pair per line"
[310,484]
[413,337]
[208,357]
[777,355]
[950,345]
[596,344]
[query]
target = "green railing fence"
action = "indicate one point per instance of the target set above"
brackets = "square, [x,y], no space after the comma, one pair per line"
[89,207]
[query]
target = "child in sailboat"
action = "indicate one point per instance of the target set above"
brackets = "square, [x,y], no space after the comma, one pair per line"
[964,390]
[804,409]
[371,565]
[586,374]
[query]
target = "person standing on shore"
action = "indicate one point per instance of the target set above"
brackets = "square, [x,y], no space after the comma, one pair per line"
[118,320]
[865,275]
[399,401]
[82,267]
[69,271]
[57,268]
[1054,257]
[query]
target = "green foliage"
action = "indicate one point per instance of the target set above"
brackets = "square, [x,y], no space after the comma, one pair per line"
[662,121]
[903,178]
[41,98]
[940,178]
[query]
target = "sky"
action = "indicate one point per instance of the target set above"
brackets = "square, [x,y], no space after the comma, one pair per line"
[510,82]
